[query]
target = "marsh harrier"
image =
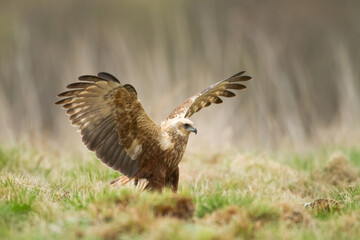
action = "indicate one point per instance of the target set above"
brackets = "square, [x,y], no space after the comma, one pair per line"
[114,124]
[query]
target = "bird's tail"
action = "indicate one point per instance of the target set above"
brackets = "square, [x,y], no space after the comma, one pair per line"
[122,180]
[141,184]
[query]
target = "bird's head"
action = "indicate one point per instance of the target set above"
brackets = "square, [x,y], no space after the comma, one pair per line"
[185,126]
[182,126]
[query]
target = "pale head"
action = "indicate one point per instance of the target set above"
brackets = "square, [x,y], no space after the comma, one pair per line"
[183,126]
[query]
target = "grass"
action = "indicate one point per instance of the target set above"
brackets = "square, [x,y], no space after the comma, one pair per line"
[46,194]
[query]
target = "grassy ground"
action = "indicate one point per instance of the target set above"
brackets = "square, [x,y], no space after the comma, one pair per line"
[52,195]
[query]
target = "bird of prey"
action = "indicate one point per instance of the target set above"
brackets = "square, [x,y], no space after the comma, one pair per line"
[114,124]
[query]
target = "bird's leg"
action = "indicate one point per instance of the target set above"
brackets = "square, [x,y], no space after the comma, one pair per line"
[156,181]
[156,185]
[122,180]
[173,180]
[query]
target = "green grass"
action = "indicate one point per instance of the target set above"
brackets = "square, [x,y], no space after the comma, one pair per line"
[46,194]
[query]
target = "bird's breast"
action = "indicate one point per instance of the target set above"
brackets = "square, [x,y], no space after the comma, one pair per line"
[174,154]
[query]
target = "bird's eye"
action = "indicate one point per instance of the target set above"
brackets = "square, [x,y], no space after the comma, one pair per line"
[186,125]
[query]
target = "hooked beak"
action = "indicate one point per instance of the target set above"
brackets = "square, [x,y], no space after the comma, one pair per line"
[193,129]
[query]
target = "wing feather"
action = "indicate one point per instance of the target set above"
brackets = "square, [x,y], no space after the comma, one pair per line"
[108,148]
[79,85]
[108,76]
[227,93]
[114,152]
[89,78]
[69,93]
[100,134]
[210,95]
[111,119]
[122,155]
[235,86]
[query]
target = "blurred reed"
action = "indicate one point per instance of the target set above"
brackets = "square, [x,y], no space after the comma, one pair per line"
[303,56]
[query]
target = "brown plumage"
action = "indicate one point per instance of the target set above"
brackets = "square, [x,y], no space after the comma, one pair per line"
[114,124]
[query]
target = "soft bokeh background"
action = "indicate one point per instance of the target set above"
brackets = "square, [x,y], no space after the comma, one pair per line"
[304,57]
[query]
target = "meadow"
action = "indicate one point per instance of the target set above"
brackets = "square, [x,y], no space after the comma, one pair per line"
[281,160]
[47,194]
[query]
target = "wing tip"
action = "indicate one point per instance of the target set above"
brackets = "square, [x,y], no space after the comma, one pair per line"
[246,78]
[85,77]
[237,74]
[100,76]
[60,102]
[108,77]
[239,77]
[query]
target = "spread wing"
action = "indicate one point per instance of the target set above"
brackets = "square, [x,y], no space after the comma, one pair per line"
[112,121]
[210,95]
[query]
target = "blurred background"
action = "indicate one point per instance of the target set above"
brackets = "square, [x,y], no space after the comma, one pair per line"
[304,57]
